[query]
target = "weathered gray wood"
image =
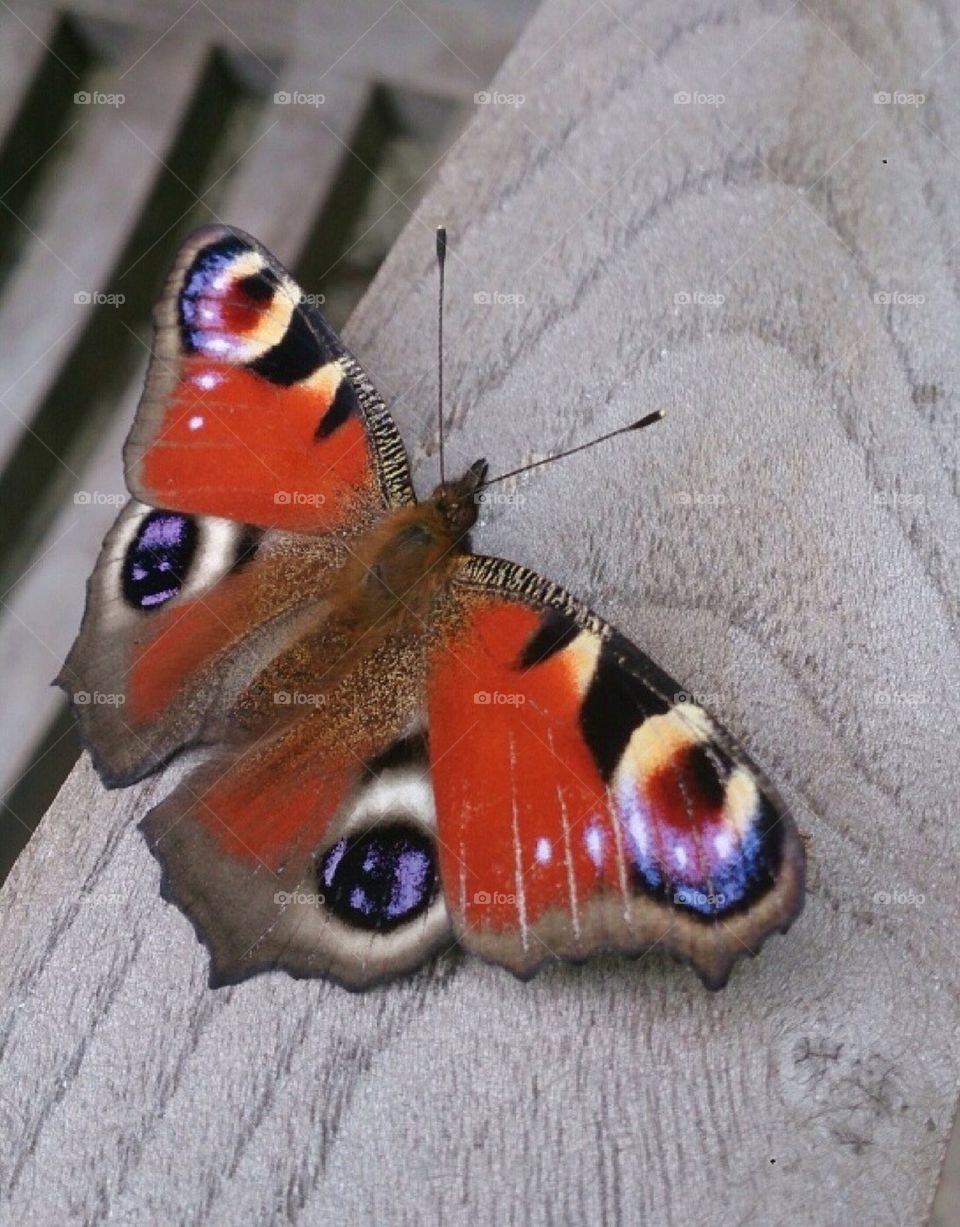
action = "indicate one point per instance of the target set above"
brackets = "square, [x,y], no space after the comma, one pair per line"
[86,224]
[451,48]
[785,544]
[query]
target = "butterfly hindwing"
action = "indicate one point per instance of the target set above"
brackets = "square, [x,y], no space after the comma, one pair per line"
[181,612]
[312,846]
[583,802]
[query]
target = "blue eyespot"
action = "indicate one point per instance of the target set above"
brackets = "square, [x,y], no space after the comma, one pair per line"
[379,879]
[158,559]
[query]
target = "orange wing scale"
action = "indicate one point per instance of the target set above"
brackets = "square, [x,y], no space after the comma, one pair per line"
[534,824]
[233,444]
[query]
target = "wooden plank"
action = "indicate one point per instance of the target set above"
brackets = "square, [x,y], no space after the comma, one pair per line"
[453,49]
[280,189]
[111,170]
[242,23]
[38,619]
[783,544]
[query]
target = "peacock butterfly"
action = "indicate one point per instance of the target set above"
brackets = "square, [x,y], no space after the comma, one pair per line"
[406,743]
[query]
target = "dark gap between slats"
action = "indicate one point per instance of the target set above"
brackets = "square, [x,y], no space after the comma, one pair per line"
[45,114]
[399,138]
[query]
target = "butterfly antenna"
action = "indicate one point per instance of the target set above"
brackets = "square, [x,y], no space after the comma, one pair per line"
[441,261]
[582,447]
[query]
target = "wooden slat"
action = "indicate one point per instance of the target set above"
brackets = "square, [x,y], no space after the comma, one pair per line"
[784,543]
[103,190]
[39,618]
[264,29]
[282,186]
[450,48]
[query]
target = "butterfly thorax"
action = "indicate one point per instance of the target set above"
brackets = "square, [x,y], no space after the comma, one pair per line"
[395,571]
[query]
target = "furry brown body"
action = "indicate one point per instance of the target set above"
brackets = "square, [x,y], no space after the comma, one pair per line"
[383,595]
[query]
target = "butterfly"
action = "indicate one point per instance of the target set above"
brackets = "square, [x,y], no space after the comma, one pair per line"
[405,744]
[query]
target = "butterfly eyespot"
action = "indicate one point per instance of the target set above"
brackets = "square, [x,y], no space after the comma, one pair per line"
[379,879]
[158,559]
[259,287]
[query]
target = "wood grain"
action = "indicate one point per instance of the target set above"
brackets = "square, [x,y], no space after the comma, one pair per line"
[785,544]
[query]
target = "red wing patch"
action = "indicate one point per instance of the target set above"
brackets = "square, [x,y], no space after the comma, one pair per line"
[582,802]
[277,801]
[254,410]
[232,444]
[533,825]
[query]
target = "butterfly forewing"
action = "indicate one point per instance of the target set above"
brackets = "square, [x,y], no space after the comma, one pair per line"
[253,408]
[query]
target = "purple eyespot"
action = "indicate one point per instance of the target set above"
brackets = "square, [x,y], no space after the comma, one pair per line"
[379,879]
[158,559]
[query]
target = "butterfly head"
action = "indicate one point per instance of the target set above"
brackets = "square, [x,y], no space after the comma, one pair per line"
[456,501]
